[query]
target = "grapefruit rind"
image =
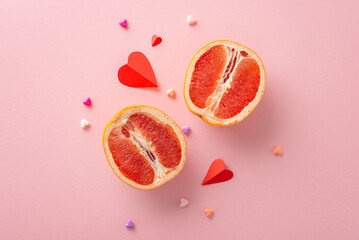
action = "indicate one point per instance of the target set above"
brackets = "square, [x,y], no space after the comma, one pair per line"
[165,119]
[204,113]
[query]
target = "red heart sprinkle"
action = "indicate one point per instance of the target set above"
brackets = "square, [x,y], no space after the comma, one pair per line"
[156,40]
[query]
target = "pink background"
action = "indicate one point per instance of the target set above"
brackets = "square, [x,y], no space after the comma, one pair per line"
[55,182]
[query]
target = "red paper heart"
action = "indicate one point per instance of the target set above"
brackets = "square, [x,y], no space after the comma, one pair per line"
[217,173]
[156,40]
[137,72]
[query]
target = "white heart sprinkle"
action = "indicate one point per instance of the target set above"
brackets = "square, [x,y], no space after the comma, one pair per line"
[191,20]
[85,123]
[183,202]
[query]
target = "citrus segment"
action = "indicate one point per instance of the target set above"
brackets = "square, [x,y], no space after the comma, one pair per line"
[167,147]
[208,70]
[242,90]
[145,148]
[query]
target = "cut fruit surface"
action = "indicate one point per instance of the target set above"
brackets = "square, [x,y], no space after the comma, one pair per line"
[224,82]
[144,147]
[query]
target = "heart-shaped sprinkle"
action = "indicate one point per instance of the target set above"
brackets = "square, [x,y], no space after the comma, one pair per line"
[85,123]
[130,224]
[217,173]
[183,202]
[87,102]
[123,23]
[191,20]
[171,93]
[208,212]
[137,72]
[186,129]
[277,150]
[156,40]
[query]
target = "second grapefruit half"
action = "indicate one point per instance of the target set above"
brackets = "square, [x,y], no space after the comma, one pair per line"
[224,82]
[144,146]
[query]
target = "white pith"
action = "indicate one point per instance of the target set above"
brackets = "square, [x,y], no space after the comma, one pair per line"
[162,174]
[207,112]
[222,86]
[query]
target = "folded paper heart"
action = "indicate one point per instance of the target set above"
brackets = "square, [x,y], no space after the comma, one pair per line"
[217,173]
[137,72]
[156,40]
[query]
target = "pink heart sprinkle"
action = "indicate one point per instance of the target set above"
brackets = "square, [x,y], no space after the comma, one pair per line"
[123,23]
[87,102]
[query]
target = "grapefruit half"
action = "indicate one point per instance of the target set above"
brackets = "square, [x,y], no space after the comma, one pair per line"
[144,146]
[224,82]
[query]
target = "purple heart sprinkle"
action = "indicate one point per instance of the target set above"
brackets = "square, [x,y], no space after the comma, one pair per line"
[185,129]
[130,224]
